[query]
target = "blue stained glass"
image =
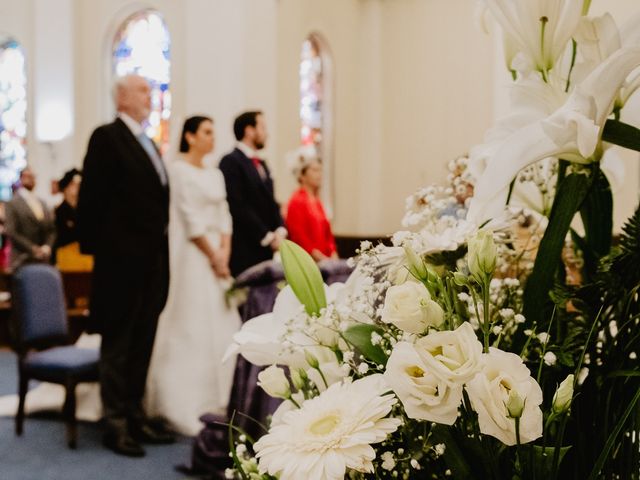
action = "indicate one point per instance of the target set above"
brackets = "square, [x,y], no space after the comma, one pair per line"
[311,91]
[13,114]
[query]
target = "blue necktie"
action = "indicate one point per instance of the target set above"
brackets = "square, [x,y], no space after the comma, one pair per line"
[148,146]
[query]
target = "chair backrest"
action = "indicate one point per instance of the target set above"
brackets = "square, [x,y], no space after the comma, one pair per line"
[38,304]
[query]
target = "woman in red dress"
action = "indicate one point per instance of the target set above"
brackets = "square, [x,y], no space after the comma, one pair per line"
[306,221]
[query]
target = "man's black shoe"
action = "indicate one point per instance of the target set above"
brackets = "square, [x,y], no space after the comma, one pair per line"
[123,444]
[149,432]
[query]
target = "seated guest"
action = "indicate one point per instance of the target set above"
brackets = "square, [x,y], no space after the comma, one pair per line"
[67,248]
[29,224]
[306,221]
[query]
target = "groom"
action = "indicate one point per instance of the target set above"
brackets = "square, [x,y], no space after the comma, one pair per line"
[123,213]
[258,228]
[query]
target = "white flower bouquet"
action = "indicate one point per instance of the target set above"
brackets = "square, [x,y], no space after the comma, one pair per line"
[492,340]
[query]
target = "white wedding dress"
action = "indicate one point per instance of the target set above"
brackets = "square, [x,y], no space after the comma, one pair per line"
[187,377]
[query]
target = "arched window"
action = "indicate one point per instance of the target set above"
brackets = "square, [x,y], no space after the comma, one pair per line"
[315,106]
[142,46]
[13,114]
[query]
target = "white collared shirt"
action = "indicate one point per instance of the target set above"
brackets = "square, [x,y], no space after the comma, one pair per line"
[131,124]
[247,150]
[33,202]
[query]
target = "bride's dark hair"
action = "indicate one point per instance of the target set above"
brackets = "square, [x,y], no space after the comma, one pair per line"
[191,125]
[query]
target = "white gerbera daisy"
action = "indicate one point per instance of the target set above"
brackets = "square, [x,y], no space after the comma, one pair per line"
[330,433]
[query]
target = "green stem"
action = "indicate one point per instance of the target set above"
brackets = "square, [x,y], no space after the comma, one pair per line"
[556,452]
[322,376]
[544,347]
[292,400]
[486,326]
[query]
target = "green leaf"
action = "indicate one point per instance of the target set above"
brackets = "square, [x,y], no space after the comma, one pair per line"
[624,373]
[597,217]
[570,195]
[453,456]
[543,460]
[304,276]
[621,134]
[360,337]
[604,454]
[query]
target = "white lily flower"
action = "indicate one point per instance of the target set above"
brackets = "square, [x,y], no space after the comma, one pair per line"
[538,29]
[572,132]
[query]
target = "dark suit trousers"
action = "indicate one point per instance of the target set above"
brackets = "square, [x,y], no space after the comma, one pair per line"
[129,295]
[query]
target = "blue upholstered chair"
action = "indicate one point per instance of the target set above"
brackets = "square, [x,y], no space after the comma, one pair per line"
[42,344]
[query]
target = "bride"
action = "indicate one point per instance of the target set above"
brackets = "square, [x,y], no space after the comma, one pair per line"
[186,375]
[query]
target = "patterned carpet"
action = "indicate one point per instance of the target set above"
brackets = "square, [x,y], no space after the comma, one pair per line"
[41,453]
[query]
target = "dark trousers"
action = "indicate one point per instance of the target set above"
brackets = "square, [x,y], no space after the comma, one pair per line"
[128,296]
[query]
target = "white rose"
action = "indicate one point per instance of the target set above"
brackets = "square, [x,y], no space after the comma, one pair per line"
[453,356]
[410,308]
[424,395]
[273,381]
[489,393]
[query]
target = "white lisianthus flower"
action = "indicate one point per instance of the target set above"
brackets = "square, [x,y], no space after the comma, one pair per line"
[273,381]
[424,395]
[563,396]
[490,391]
[410,308]
[330,433]
[453,356]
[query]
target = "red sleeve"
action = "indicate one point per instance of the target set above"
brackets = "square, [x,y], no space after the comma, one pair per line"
[298,218]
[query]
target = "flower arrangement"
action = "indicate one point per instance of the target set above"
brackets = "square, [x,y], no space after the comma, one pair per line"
[464,350]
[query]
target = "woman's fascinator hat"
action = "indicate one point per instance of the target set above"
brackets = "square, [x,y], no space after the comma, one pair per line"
[301,158]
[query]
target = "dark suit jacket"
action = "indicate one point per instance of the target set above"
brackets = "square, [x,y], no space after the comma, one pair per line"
[253,208]
[122,218]
[123,208]
[26,231]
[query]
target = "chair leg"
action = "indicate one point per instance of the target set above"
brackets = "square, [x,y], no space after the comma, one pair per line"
[69,412]
[23,388]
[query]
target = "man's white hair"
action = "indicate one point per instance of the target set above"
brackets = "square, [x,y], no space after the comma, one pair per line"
[120,84]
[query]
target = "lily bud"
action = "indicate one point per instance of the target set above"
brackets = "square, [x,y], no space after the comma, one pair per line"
[515,404]
[273,381]
[563,396]
[482,255]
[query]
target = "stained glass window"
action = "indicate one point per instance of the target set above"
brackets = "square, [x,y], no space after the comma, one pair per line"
[316,95]
[311,94]
[13,115]
[142,47]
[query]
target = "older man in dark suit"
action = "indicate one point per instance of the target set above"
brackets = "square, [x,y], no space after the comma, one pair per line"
[30,224]
[258,228]
[123,213]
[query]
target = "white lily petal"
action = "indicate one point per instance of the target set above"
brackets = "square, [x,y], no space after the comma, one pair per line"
[572,131]
[526,146]
[605,81]
[612,166]
[543,42]
[598,38]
